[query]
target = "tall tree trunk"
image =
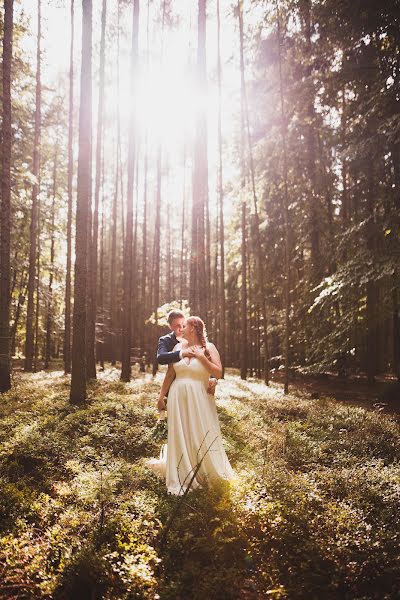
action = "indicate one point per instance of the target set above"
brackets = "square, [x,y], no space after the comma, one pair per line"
[244,340]
[372,296]
[395,276]
[169,287]
[316,268]
[194,283]
[343,138]
[285,203]
[215,298]
[145,304]
[156,252]
[36,334]
[113,263]
[182,277]
[29,340]
[101,274]
[143,286]
[260,259]
[207,233]
[222,298]
[78,378]
[244,316]
[135,279]
[155,287]
[49,318]
[117,191]
[243,291]
[396,326]
[324,175]
[21,299]
[67,320]
[92,278]
[127,299]
[5,206]
[198,282]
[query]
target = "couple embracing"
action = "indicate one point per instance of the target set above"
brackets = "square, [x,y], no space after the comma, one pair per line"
[194,456]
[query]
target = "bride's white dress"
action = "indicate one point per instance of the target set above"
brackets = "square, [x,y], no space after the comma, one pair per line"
[194,434]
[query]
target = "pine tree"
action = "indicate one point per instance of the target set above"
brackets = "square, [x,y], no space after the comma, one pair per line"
[128,242]
[5,206]
[33,245]
[78,374]
[67,319]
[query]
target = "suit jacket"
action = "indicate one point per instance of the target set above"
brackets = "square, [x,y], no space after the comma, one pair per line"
[165,356]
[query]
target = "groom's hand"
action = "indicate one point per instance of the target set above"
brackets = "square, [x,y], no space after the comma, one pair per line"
[212,384]
[188,353]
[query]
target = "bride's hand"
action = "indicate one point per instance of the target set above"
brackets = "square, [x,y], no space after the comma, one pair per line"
[199,351]
[161,404]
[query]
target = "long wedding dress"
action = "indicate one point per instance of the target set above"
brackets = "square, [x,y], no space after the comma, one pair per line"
[194,436]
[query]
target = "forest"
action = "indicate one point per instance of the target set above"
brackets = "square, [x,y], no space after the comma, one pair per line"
[238,160]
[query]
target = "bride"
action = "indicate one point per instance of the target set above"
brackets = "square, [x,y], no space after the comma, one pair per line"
[194,456]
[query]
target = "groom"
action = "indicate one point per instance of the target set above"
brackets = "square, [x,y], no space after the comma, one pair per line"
[166,343]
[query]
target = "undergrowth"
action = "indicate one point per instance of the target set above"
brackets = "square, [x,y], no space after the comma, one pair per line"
[312,513]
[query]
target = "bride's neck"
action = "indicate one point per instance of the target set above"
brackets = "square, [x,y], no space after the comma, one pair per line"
[193,341]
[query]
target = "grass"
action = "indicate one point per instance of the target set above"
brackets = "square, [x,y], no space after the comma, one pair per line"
[312,513]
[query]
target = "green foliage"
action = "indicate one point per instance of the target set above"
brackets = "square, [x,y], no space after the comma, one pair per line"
[312,512]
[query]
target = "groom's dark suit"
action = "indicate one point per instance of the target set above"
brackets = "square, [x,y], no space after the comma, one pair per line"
[165,356]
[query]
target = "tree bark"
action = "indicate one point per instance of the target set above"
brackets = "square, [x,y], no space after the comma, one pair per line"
[67,319]
[5,228]
[198,282]
[243,289]
[285,204]
[36,312]
[156,253]
[395,277]
[371,288]
[127,285]
[222,297]
[144,279]
[396,326]
[21,299]
[260,259]
[135,279]
[316,269]
[181,279]
[101,317]
[49,319]
[29,340]
[244,340]
[145,305]
[92,279]
[78,378]
[117,194]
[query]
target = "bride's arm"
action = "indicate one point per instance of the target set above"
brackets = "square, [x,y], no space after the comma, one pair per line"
[168,379]
[213,364]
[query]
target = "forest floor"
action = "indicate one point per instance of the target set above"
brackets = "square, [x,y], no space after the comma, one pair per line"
[312,513]
[352,389]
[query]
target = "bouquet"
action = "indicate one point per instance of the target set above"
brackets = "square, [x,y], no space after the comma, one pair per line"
[160,431]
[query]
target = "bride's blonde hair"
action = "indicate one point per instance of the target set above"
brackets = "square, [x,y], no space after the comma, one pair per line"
[200,329]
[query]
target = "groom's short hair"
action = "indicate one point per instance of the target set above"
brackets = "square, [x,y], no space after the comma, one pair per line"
[175,314]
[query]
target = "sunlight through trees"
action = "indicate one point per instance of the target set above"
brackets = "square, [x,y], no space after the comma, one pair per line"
[239,156]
